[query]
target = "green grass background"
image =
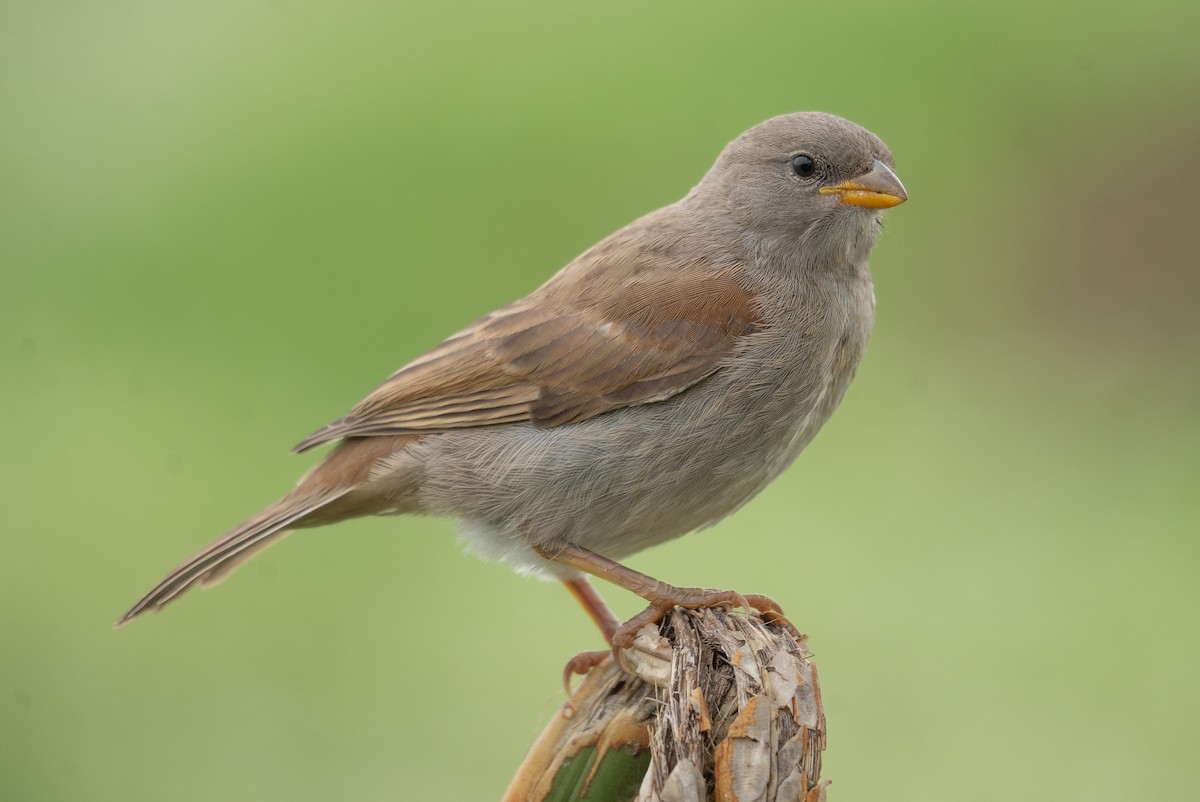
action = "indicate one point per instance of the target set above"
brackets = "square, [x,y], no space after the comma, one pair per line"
[221,223]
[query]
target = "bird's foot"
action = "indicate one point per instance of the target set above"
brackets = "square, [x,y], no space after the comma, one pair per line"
[667,597]
[581,664]
[662,598]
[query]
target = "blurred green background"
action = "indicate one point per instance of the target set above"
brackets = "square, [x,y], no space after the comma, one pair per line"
[222,223]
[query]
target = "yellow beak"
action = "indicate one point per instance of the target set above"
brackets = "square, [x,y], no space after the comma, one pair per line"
[878,188]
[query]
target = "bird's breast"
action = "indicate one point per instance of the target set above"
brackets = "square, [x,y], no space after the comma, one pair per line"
[644,474]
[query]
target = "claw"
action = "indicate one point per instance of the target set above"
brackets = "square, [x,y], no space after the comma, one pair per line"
[581,664]
[662,598]
[695,598]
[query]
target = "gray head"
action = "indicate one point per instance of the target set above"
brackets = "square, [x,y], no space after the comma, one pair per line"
[804,175]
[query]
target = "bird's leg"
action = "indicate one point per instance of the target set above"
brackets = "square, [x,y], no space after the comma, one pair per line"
[587,596]
[662,597]
[583,591]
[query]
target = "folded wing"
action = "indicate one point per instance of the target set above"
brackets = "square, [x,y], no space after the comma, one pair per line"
[612,330]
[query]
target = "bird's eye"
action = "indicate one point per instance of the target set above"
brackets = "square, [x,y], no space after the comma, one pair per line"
[803,166]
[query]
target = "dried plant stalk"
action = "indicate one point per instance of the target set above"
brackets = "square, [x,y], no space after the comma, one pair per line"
[714,707]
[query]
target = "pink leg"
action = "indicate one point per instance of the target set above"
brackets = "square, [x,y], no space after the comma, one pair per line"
[662,597]
[583,591]
[587,596]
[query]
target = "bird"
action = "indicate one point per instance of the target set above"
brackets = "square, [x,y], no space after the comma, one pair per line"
[650,388]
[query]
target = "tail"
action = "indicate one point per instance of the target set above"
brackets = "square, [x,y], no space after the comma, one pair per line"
[214,562]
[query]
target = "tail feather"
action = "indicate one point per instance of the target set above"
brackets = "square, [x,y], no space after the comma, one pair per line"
[214,562]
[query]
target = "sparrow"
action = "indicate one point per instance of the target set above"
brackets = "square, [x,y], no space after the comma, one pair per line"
[650,388]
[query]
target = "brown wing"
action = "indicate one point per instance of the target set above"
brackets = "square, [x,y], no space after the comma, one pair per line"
[611,330]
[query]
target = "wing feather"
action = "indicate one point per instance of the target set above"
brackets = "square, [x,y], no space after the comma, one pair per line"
[617,327]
